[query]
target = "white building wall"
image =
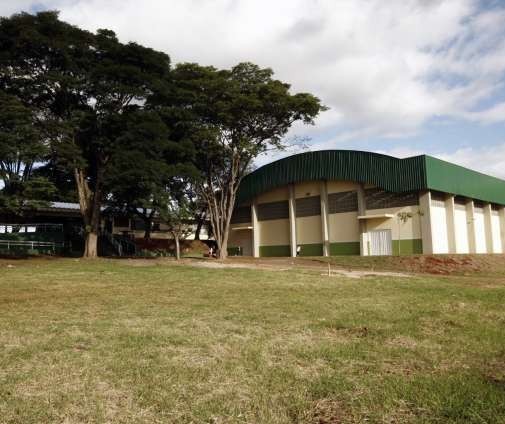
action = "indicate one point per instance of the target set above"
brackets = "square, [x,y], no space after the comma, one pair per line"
[461,225]
[439,227]
[426,227]
[496,231]
[480,231]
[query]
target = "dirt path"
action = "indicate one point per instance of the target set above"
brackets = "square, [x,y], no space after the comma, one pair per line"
[286,265]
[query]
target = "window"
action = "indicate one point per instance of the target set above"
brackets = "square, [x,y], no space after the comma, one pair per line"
[478,204]
[459,200]
[343,202]
[308,206]
[273,210]
[241,215]
[379,199]
[436,195]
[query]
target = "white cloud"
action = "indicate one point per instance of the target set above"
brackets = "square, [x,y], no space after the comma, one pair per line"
[486,159]
[489,160]
[383,68]
[8,7]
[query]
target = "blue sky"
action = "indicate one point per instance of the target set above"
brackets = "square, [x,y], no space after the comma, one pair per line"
[401,77]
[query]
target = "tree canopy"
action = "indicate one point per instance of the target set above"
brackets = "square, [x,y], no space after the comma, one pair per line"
[111,123]
[85,88]
[21,147]
[237,114]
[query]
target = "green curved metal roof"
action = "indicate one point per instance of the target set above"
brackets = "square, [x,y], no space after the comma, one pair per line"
[387,172]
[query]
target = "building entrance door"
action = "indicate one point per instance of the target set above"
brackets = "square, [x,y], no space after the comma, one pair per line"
[381,243]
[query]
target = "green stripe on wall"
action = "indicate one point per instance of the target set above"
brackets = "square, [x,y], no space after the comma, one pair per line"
[266,251]
[345,248]
[315,249]
[408,247]
[234,251]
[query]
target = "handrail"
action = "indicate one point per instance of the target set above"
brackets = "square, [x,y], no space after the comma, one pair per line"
[31,243]
[116,244]
[121,244]
[126,243]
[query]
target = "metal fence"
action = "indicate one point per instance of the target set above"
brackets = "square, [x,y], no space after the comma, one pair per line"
[12,245]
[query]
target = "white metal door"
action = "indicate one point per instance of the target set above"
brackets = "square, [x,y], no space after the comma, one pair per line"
[381,243]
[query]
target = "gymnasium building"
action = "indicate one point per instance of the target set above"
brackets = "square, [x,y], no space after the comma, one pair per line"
[341,202]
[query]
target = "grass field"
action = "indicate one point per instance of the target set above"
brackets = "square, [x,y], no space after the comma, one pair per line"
[108,341]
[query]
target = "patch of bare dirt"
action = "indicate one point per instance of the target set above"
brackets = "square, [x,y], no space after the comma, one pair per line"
[276,266]
[360,274]
[393,266]
[187,246]
[441,264]
[327,411]
[495,371]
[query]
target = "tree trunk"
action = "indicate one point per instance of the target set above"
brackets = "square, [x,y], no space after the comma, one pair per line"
[91,245]
[198,229]
[148,222]
[221,202]
[223,248]
[89,203]
[147,231]
[220,217]
[177,248]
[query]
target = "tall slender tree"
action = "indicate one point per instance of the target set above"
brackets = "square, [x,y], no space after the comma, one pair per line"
[237,114]
[178,214]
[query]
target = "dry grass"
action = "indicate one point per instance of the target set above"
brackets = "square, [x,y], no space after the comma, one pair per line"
[105,342]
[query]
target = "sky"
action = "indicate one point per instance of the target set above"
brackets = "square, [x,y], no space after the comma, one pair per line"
[401,77]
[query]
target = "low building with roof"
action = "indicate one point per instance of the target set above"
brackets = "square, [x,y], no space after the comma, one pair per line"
[58,229]
[342,202]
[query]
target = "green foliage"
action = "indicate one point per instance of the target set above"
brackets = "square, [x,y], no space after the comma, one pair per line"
[235,115]
[239,113]
[150,170]
[127,129]
[21,147]
[85,89]
[178,214]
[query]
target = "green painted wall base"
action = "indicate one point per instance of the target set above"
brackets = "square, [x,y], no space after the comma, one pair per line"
[345,248]
[234,251]
[403,247]
[407,247]
[269,251]
[315,249]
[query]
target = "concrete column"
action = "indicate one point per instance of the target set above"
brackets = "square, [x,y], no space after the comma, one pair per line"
[426,227]
[292,220]
[255,230]
[450,212]
[363,236]
[488,228]
[325,221]
[501,213]
[470,219]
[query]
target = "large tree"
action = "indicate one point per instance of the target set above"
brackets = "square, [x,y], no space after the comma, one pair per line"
[237,114]
[84,86]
